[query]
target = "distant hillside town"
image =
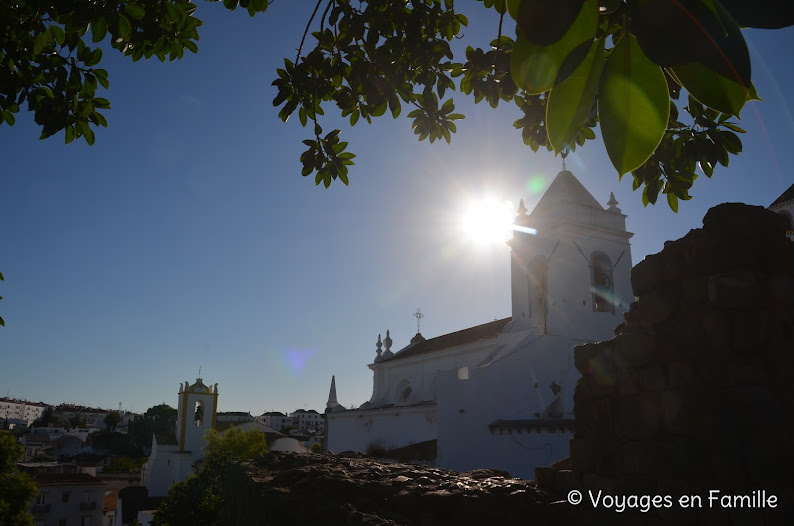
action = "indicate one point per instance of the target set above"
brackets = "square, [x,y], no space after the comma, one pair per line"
[86,461]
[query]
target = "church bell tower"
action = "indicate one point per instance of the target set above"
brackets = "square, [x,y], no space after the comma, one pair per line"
[570,263]
[198,405]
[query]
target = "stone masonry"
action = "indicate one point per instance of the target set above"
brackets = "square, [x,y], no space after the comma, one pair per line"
[694,393]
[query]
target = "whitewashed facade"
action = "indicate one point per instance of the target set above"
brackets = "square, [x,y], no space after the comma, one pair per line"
[20,411]
[500,395]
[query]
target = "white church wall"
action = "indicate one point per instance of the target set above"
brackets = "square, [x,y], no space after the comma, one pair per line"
[516,387]
[356,430]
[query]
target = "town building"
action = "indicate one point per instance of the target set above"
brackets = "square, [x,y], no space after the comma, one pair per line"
[68,499]
[88,416]
[276,420]
[20,412]
[500,394]
[307,420]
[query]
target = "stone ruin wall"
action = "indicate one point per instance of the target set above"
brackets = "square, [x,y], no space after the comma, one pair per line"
[695,391]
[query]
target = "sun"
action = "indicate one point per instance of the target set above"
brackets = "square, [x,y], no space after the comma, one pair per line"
[487,221]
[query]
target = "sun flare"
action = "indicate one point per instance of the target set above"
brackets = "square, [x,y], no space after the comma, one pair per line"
[488,221]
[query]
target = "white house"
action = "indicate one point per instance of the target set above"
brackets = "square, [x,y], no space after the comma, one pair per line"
[20,411]
[500,395]
[68,498]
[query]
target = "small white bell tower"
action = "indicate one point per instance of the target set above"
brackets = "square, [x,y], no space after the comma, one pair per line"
[198,406]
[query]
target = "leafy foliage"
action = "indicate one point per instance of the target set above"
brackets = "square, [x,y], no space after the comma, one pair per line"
[112,419]
[158,419]
[198,500]
[569,66]
[125,464]
[16,488]
[48,418]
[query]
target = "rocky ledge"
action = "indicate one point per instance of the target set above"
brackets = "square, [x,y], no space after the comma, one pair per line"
[351,488]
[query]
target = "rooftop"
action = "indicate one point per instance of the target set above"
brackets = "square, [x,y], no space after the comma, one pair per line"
[58,479]
[785,197]
[470,335]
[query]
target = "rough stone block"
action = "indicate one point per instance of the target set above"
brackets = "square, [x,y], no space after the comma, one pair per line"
[738,290]
[779,291]
[751,331]
[739,220]
[642,458]
[694,290]
[634,349]
[582,355]
[647,274]
[717,329]
[628,382]
[637,416]
[657,305]
[653,378]
[679,410]
[583,455]
[680,373]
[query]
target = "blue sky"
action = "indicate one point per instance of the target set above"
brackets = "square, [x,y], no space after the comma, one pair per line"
[186,236]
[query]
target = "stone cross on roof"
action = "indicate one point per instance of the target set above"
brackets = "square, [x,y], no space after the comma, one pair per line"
[418,315]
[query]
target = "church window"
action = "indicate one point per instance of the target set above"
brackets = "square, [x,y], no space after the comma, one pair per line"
[199,414]
[602,285]
[536,273]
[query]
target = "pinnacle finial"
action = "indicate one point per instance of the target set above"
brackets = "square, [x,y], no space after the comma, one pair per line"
[564,154]
[522,209]
[378,351]
[613,203]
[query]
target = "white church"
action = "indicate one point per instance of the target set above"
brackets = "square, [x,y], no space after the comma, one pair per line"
[500,395]
[173,454]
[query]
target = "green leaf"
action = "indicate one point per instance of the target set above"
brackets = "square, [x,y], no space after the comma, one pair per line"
[69,134]
[534,68]
[570,102]
[99,29]
[38,43]
[135,11]
[544,22]
[2,322]
[733,127]
[712,89]
[57,34]
[672,200]
[687,31]
[633,105]
[125,28]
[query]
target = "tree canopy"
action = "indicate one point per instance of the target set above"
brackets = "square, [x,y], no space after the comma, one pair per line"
[569,66]
[198,500]
[16,488]
[158,419]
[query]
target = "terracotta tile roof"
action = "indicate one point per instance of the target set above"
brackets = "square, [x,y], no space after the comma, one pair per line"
[57,479]
[472,334]
[786,196]
[111,501]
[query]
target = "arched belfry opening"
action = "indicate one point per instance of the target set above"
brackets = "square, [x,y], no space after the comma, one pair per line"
[602,283]
[198,413]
